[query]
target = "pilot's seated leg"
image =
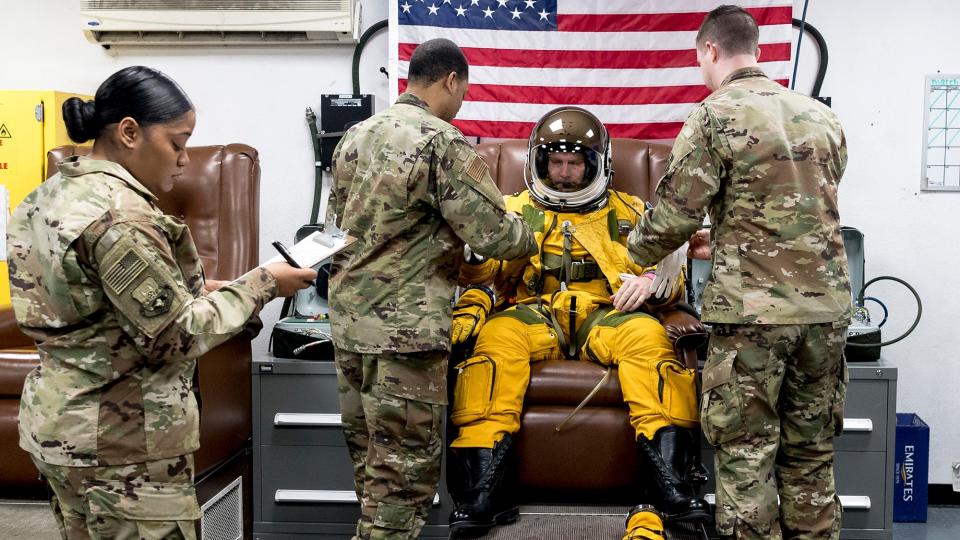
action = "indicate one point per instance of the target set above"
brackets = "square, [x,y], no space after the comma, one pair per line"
[661,395]
[488,399]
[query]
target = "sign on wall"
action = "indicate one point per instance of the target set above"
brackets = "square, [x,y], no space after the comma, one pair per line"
[941,143]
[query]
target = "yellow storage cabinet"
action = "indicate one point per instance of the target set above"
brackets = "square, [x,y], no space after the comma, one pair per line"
[31,123]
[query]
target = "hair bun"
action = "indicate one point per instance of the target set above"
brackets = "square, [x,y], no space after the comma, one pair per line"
[81,120]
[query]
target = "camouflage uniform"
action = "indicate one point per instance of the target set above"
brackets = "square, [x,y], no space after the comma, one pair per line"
[765,162]
[412,191]
[150,500]
[111,289]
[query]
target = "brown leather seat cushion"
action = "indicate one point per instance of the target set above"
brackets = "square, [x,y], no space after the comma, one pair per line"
[567,382]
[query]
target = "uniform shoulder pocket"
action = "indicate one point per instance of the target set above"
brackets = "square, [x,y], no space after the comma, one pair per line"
[464,167]
[141,288]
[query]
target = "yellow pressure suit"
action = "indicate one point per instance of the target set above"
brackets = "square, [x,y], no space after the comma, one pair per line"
[588,251]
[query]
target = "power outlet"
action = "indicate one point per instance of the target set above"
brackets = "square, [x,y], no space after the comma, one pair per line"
[956,476]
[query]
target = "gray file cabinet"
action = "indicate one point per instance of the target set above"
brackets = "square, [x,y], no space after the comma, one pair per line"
[864,463]
[302,477]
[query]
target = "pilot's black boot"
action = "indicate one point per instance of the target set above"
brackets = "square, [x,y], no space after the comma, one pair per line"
[670,460]
[482,505]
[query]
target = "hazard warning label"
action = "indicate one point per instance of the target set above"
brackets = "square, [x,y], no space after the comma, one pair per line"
[4,132]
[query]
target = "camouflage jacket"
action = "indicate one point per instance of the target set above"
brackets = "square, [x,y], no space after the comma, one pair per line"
[412,191]
[765,162]
[111,289]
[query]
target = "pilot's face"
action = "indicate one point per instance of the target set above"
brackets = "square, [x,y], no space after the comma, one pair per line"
[566,170]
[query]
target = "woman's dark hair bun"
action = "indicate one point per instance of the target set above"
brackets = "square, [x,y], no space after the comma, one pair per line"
[81,120]
[139,92]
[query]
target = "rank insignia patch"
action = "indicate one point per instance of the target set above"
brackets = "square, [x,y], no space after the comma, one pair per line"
[155,300]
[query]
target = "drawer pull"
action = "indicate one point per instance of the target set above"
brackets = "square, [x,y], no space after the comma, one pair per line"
[858,425]
[855,502]
[321,496]
[848,502]
[314,496]
[306,419]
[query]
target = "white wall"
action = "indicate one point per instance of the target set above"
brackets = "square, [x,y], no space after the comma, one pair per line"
[879,53]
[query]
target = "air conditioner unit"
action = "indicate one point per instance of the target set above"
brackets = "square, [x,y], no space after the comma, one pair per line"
[220,22]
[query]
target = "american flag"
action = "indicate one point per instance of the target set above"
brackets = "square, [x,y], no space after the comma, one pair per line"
[631,62]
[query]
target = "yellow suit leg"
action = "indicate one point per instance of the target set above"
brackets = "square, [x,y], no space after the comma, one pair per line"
[658,390]
[488,396]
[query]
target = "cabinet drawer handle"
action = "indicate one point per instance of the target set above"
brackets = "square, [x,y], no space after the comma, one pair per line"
[858,424]
[314,496]
[848,502]
[855,502]
[306,419]
[321,496]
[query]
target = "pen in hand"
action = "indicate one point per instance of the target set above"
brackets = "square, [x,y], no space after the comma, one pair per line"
[285,254]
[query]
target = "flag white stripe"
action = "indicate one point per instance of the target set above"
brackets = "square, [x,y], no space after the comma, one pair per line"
[614,114]
[606,78]
[652,6]
[584,41]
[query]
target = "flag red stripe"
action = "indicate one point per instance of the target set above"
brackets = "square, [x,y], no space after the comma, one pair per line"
[587,95]
[769,52]
[521,130]
[660,22]
[568,95]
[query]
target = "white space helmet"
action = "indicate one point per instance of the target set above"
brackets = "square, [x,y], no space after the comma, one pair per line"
[569,130]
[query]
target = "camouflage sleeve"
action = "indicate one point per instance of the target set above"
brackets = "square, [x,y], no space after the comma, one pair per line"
[473,206]
[691,180]
[155,308]
[841,162]
[338,189]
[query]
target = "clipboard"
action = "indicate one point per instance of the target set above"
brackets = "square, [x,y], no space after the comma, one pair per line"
[315,248]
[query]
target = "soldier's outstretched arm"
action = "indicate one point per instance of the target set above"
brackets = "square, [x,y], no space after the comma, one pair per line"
[690,182]
[157,309]
[473,206]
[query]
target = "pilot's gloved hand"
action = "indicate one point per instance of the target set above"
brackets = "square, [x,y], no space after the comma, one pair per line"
[669,272]
[470,313]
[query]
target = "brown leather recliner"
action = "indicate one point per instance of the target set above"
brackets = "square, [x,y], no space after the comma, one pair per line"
[218,197]
[595,453]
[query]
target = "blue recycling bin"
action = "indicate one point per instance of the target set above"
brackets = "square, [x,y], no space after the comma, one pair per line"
[912,465]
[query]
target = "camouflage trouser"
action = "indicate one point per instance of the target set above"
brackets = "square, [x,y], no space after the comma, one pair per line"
[772,404]
[152,500]
[392,410]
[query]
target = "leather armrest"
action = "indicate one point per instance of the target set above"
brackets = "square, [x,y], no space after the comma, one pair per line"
[10,335]
[685,331]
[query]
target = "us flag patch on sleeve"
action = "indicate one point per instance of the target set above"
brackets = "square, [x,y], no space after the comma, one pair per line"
[476,169]
[123,272]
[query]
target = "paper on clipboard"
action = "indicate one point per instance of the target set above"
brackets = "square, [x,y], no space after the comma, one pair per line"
[313,249]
